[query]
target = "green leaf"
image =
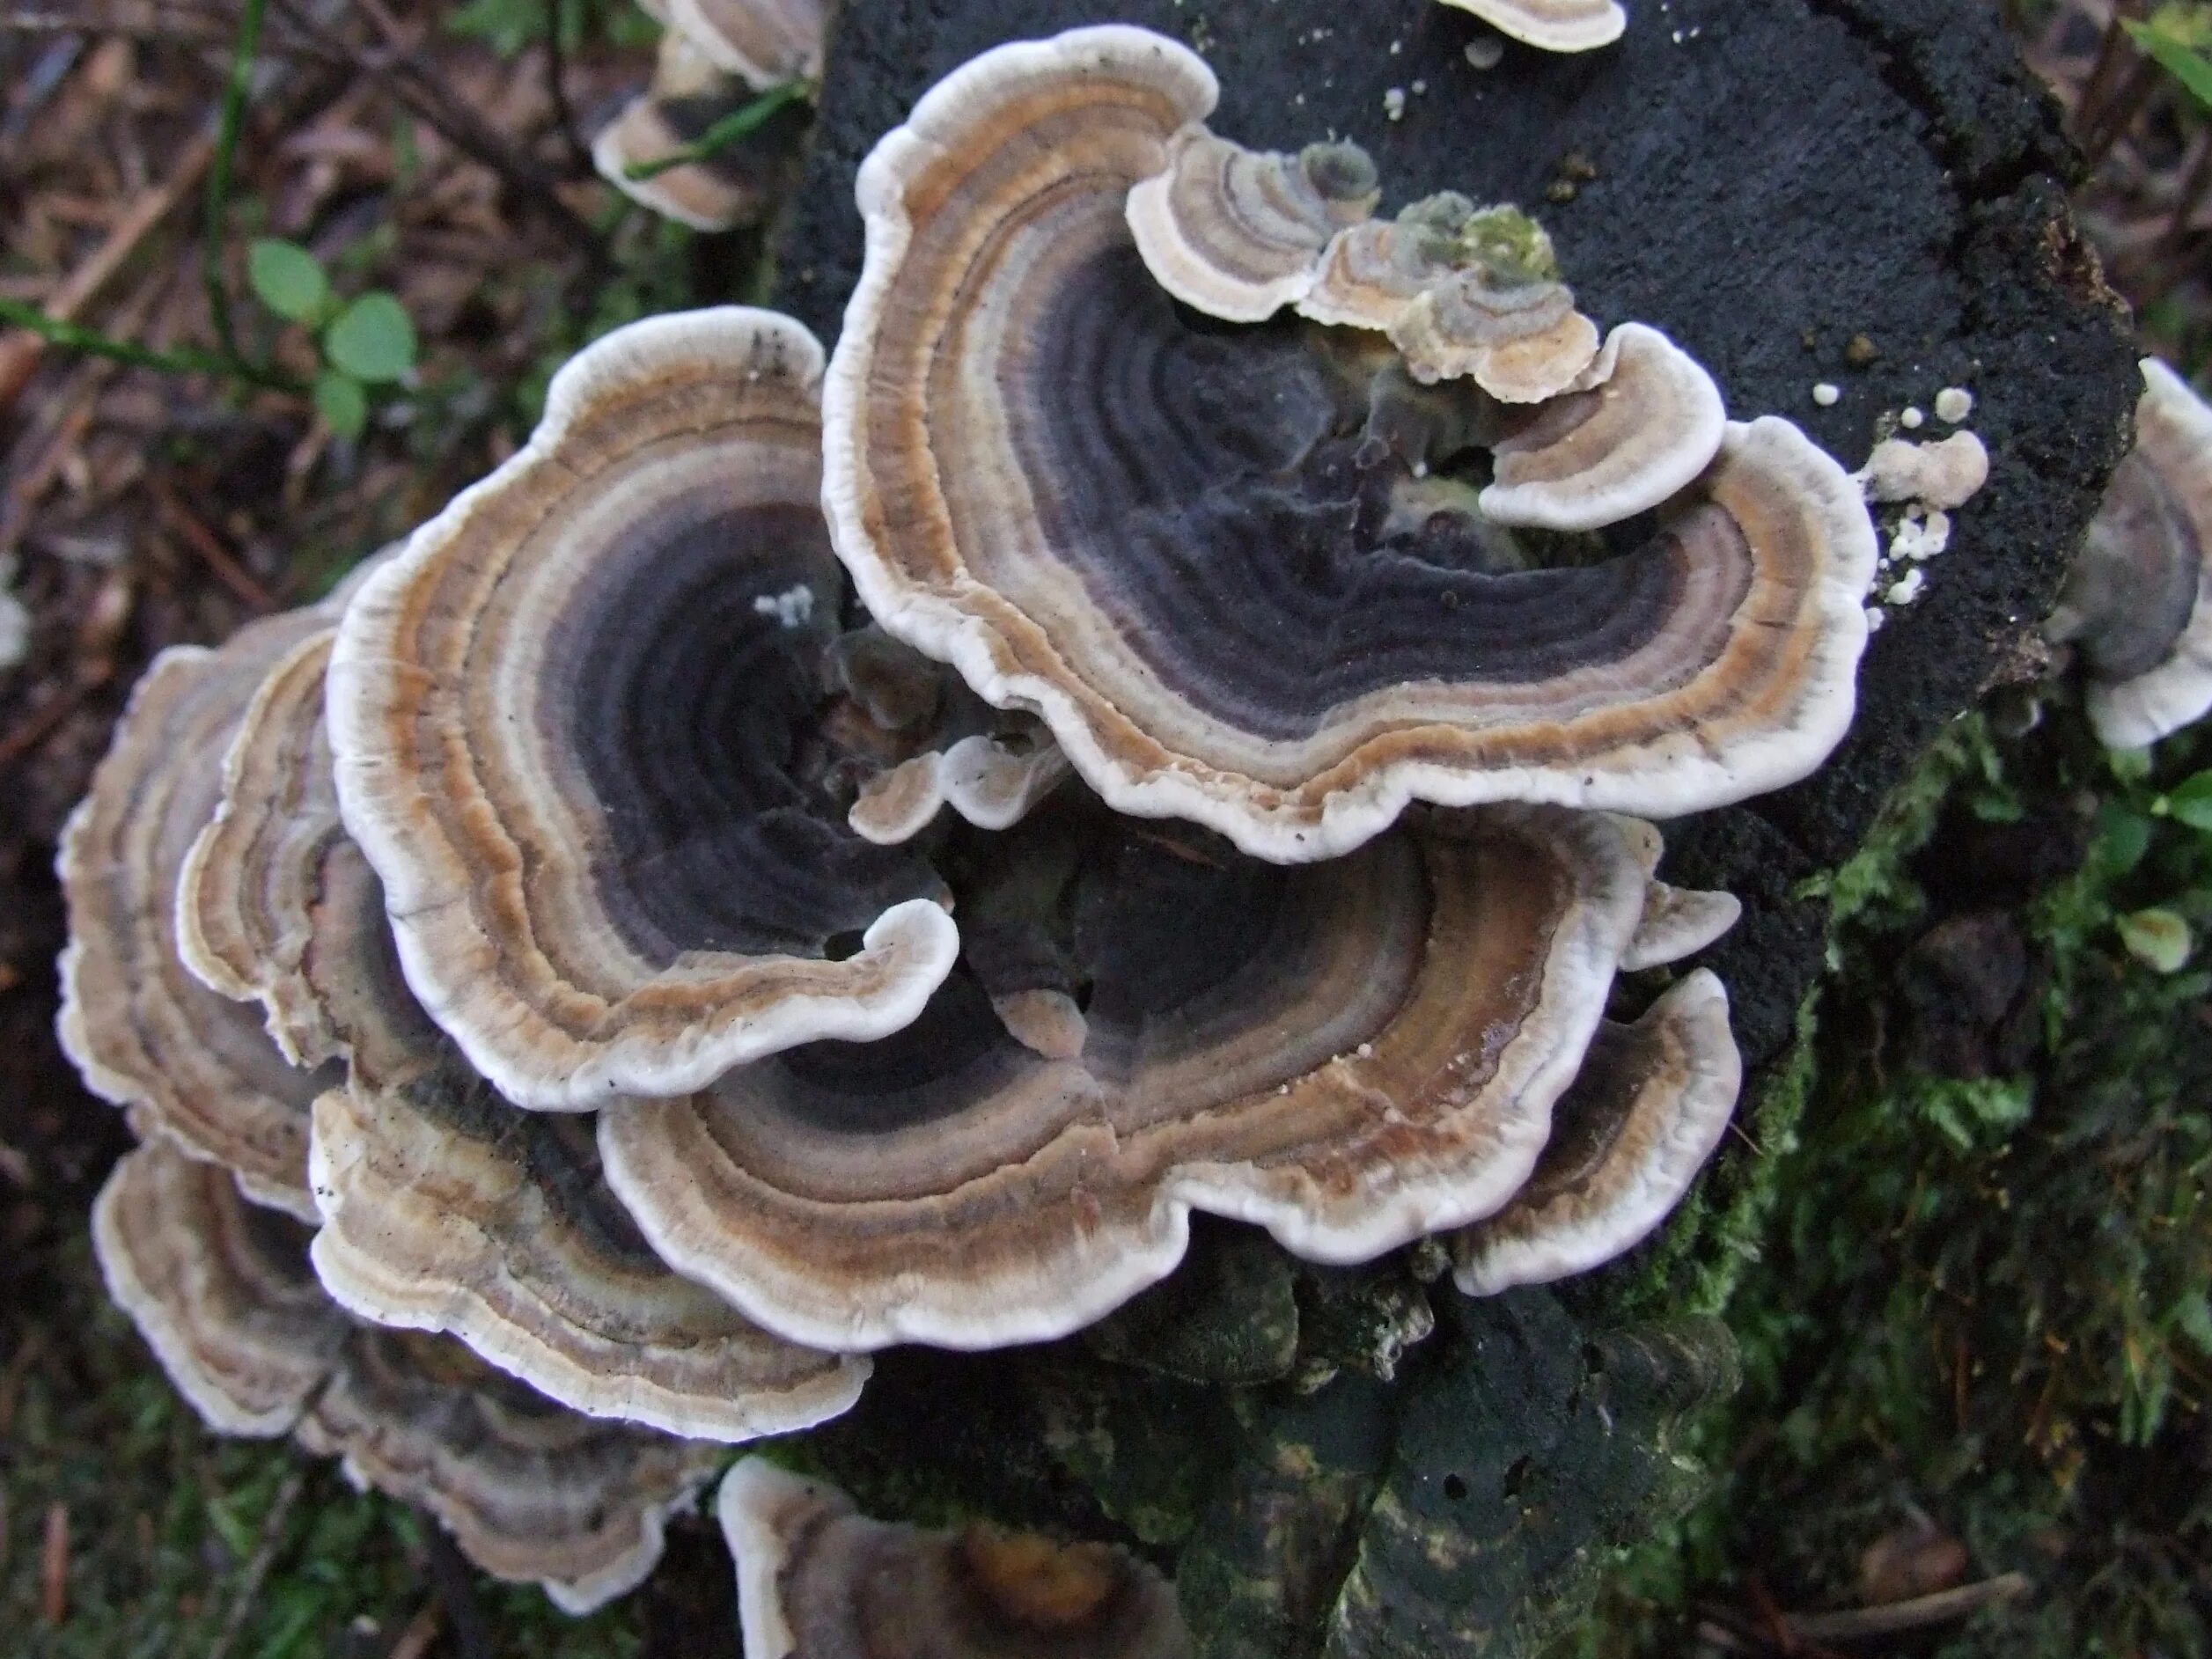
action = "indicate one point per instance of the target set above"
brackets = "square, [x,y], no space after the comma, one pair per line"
[2194,1317]
[2191,801]
[2192,67]
[2123,836]
[372,340]
[288,280]
[2158,939]
[343,403]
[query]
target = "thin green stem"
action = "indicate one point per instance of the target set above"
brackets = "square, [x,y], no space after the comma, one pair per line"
[176,360]
[237,92]
[738,123]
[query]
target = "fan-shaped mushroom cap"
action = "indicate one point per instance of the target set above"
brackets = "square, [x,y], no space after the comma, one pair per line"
[219,1288]
[530,1491]
[2138,602]
[1521,343]
[185,1062]
[1554,25]
[1151,534]
[1170,570]
[1651,1104]
[761,41]
[444,1207]
[1463,292]
[1239,233]
[1678,922]
[1593,458]
[246,894]
[567,724]
[689,95]
[818,1579]
[1350,1055]
[990,779]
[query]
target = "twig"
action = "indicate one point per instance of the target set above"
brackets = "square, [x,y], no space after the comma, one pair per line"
[737,124]
[421,1632]
[451,1577]
[1894,1617]
[53,1564]
[556,83]
[173,360]
[238,90]
[397,72]
[19,355]
[217,558]
[264,1557]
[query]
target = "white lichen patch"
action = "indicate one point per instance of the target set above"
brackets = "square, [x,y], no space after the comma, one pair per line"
[790,608]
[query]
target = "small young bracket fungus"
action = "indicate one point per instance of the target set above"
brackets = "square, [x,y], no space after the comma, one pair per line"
[1239,233]
[2138,602]
[819,1579]
[763,43]
[567,723]
[219,1288]
[1169,541]
[990,779]
[689,93]
[1652,422]
[530,1493]
[1553,25]
[185,1062]
[1351,1055]
[1646,1111]
[1943,474]
[1677,921]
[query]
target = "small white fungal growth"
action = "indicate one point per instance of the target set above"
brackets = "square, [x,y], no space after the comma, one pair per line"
[1918,538]
[1825,393]
[1942,475]
[1485,52]
[1875,617]
[792,608]
[1906,588]
[1954,404]
[1912,420]
[1394,103]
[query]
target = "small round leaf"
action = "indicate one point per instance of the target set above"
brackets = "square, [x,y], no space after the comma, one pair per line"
[342,402]
[288,279]
[372,339]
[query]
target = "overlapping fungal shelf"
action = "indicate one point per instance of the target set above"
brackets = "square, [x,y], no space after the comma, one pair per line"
[674,1048]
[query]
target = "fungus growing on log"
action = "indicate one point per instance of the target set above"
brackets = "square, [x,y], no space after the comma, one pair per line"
[220,1290]
[568,726]
[819,1579]
[1553,25]
[1351,1055]
[1240,233]
[1647,1110]
[689,95]
[185,1062]
[444,1207]
[1185,568]
[2137,606]
[1641,435]
[761,41]
[222,1293]
[530,1493]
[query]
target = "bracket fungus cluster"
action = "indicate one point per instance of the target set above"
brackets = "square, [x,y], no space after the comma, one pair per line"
[2137,606]
[1290,605]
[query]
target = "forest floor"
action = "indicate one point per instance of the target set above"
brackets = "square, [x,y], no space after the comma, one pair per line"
[1979,1348]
